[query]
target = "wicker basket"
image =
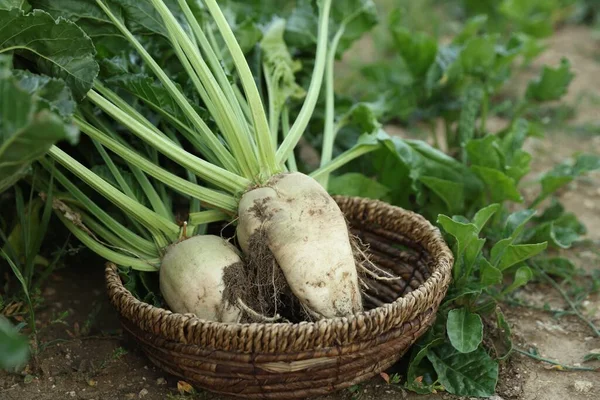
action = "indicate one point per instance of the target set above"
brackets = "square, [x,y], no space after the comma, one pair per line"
[293,361]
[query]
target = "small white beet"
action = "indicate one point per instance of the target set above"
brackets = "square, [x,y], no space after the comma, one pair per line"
[191,277]
[307,233]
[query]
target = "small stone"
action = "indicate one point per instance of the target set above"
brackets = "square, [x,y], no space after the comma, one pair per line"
[72,393]
[143,393]
[583,386]
[161,381]
[496,397]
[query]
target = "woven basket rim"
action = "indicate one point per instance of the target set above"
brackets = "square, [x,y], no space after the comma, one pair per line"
[437,281]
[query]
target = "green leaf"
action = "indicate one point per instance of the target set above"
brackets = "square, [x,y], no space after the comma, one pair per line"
[417,49]
[567,171]
[14,348]
[356,16]
[515,254]
[53,93]
[416,159]
[488,274]
[465,234]
[478,55]
[552,84]
[465,330]
[472,374]
[27,128]
[451,193]
[59,48]
[417,369]
[485,152]
[522,277]
[470,29]
[500,186]
[561,232]
[356,184]
[483,216]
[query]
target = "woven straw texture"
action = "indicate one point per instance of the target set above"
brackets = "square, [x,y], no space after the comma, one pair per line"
[295,361]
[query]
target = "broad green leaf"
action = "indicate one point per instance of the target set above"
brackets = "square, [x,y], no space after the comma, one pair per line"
[27,128]
[417,49]
[552,84]
[465,330]
[363,116]
[465,234]
[561,232]
[522,277]
[534,17]
[471,28]
[567,171]
[515,254]
[488,274]
[472,374]
[478,55]
[452,193]
[53,93]
[485,152]
[500,186]
[418,159]
[356,16]
[483,216]
[14,348]
[417,379]
[515,223]
[302,25]
[355,184]
[58,48]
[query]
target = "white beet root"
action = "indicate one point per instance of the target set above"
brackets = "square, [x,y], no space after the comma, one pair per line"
[191,277]
[308,235]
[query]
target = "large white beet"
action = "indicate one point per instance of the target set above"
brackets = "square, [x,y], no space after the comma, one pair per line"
[307,233]
[191,277]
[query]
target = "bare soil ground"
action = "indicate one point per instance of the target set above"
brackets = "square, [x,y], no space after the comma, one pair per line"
[85,355]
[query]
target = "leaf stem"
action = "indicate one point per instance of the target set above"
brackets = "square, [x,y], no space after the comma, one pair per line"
[290,142]
[546,360]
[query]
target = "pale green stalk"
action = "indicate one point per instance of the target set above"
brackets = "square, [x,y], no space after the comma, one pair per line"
[209,196]
[186,130]
[285,129]
[206,217]
[105,252]
[344,159]
[208,136]
[213,60]
[144,215]
[266,149]
[118,177]
[329,132]
[232,128]
[299,126]
[273,111]
[143,245]
[207,171]
[113,240]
